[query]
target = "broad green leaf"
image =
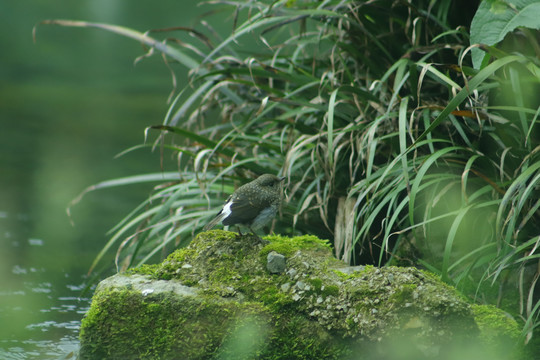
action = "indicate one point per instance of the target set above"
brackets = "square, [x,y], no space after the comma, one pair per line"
[495,19]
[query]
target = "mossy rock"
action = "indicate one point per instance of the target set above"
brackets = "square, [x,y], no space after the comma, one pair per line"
[215,299]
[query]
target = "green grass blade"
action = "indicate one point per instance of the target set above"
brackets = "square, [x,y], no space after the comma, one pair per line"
[473,84]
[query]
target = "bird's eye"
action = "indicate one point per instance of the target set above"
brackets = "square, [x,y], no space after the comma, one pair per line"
[269,182]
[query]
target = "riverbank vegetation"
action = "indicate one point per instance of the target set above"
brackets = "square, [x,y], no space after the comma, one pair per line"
[408,133]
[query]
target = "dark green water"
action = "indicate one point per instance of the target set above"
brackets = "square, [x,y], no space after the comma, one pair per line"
[68,105]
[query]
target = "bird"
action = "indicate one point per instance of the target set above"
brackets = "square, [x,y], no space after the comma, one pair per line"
[252,205]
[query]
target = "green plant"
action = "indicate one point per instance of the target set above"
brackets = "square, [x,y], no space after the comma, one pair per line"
[393,145]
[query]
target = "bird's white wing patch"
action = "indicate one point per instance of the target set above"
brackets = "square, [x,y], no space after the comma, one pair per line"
[226,209]
[222,215]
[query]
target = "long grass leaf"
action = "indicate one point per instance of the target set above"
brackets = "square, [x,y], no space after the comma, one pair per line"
[174,53]
[450,241]
[420,175]
[473,84]
[511,192]
[403,106]
[330,127]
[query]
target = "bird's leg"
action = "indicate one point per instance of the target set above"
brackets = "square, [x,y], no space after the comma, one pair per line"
[239,231]
[254,234]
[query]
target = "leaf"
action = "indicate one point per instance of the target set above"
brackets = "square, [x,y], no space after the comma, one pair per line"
[450,241]
[403,136]
[495,19]
[174,53]
[330,124]
[420,175]
[135,179]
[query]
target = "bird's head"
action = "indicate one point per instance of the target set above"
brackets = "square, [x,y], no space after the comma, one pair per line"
[269,181]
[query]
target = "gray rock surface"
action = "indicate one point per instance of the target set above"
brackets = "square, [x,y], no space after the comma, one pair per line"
[275,263]
[145,285]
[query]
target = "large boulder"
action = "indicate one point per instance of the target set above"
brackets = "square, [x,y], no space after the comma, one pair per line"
[227,296]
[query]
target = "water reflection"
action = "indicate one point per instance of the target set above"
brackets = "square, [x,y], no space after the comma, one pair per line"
[40,310]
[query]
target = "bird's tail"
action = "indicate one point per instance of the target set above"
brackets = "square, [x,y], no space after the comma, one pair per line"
[219,217]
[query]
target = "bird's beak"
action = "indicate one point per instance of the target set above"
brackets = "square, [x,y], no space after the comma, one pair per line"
[282,178]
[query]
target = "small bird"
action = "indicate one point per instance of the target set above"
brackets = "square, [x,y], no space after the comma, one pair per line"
[253,204]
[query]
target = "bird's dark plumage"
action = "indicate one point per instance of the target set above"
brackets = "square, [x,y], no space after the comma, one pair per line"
[252,205]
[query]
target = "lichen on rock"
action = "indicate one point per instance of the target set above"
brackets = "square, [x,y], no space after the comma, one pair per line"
[314,308]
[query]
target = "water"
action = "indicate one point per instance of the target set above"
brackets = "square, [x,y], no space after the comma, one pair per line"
[40,308]
[68,104]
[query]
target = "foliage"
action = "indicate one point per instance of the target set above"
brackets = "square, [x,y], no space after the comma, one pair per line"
[496,19]
[392,144]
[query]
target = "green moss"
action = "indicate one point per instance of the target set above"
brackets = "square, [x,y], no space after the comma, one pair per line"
[448,287]
[316,284]
[163,328]
[144,269]
[180,256]
[355,274]
[404,293]
[283,248]
[307,312]
[288,246]
[490,318]
[275,300]
[302,339]
[302,242]
[498,331]
[189,329]
[341,275]
[330,290]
